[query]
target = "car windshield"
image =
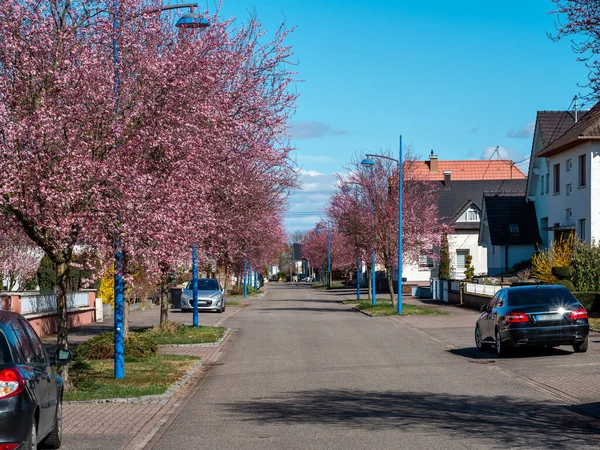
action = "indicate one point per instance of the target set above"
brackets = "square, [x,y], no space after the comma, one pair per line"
[541,296]
[204,284]
[4,350]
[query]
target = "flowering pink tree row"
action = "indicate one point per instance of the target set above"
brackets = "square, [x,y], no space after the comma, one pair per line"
[366,206]
[343,251]
[192,150]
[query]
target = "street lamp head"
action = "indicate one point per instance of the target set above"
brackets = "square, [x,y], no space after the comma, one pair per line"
[346,188]
[193,20]
[368,162]
[318,230]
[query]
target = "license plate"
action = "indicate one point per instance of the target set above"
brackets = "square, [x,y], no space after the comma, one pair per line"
[203,303]
[548,317]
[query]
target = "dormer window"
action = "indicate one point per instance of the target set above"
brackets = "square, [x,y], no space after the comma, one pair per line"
[470,215]
[514,228]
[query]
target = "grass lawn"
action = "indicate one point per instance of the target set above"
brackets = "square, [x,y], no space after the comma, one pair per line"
[233,303]
[250,293]
[386,309]
[184,334]
[94,380]
[594,324]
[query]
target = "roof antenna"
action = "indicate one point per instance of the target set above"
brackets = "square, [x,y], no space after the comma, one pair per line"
[575,106]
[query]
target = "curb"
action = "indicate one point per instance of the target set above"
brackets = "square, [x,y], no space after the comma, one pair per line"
[171,390]
[362,312]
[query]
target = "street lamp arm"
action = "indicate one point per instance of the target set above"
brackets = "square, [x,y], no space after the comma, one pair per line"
[192,7]
[382,156]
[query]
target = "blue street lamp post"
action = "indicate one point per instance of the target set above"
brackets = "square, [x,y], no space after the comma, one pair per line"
[328,254]
[195,284]
[368,162]
[190,20]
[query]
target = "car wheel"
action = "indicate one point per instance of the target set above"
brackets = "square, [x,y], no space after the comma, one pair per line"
[53,440]
[581,347]
[478,339]
[500,349]
[31,442]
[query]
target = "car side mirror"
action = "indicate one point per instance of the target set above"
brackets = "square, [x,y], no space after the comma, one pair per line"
[63,357]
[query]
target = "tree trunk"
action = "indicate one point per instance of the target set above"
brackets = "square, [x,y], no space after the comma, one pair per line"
[164,304]
[225,282]
[391,286]
[62,319]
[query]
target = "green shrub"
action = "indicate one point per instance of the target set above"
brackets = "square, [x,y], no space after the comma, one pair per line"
[102,347]
[444,266]
[590,300]
[586,267]
[525,264]
[567,284]
[562,273]
[470,269]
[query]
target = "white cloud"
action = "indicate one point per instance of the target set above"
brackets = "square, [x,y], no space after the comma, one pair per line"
[311,130]
[310,173]
[525,132]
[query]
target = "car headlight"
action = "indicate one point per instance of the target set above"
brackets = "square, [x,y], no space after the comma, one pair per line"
[186,297]
[215,295]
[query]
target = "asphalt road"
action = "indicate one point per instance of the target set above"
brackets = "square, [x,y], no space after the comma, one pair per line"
[306,372]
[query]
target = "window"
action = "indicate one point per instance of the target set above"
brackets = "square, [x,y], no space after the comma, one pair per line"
[36,345]
[569,165]
[461,259]
[425,262]
[582,171]
[569,190]
[543,185]
[23,344]
[557,178]
[470,215]
[582,229]
[547,183]
[514,228]
[569,213]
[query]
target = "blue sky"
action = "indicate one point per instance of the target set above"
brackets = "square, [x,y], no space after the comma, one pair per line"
[457,77]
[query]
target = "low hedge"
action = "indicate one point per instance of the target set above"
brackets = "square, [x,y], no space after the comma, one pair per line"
[137,345]
[590,300]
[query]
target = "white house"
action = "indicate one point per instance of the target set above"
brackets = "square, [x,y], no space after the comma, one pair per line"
[572,190]
[461,205]
[549,126]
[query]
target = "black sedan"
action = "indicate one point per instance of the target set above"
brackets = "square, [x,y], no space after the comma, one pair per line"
[532,315]
[30,388]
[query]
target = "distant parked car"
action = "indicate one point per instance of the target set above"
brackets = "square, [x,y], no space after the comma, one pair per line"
[210,296]
[532,315]
[30,387]
[302,277]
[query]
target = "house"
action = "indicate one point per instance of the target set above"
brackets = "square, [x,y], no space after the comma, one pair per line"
[508,231]
[461,205]
[549,126]
[571,202]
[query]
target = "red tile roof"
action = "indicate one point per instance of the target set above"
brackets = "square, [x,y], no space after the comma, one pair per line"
[470,170]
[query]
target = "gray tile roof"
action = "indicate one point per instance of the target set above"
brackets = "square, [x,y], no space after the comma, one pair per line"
[553,124]
[461,193]
[587,127]
[502,210]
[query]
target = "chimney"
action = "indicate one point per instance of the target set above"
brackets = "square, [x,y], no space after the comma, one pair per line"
[433,162]
[447,177]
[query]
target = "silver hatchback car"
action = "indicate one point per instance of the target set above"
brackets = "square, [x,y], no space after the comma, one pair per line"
[210,296]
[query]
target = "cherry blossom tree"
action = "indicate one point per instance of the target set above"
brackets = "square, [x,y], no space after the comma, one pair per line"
[19,258]
[314,247]
[194,140]
[579,21]
[366,204]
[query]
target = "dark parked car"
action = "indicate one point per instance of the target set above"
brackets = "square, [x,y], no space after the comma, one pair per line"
[30,387]
[532,315]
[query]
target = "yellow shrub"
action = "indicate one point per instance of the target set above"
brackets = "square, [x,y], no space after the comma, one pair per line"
[559,254]
[107,286]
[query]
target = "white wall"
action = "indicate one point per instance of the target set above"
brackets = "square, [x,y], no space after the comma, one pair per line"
[594,182]
[580,199]
[467,240]
[516,254]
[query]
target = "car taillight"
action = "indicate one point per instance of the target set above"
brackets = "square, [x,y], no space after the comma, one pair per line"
[9,446]
[579,313]
[11,383]
[516,317]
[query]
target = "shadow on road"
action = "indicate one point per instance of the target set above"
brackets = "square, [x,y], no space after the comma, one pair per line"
[308,309]
[525,352]
[504,420]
